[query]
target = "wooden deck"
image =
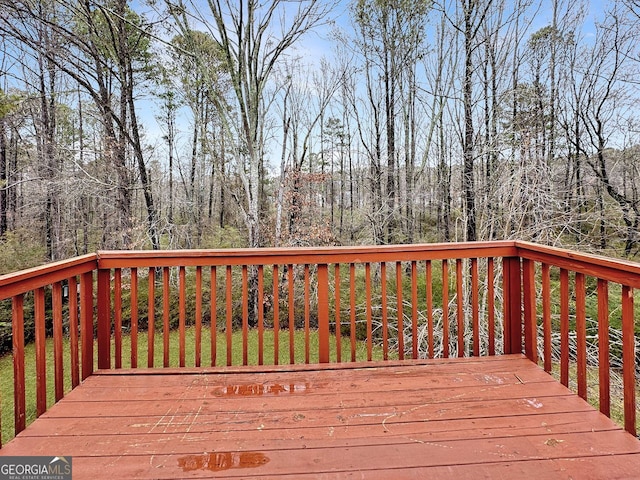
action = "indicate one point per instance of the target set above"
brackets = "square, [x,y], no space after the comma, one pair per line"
[491,417]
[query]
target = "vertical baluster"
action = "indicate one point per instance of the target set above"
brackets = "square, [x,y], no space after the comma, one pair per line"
[151,317]
[512,288]
[475,307]
[581,335]
[352,297]
[399,305]
[260,314]
[323,312]
[229,308]
[336,276]
[17,331]
[104,319]
[491,306]
[414,309]
[530,316]
[214,316]
[628,360]
[73,332]
[165,316]
[41,357]
[134,317]
[367,280]
[276,316]
[385,319]
[198,352]
[182,315]
[603,347]
[445,308]
[56,300]
[546,316]
[429,293]
[292,318]
[86,322]
[460,307]
[117,312]
[306,313]
[564,327]
[245,315]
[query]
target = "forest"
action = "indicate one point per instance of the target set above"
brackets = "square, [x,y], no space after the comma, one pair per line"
[183,124]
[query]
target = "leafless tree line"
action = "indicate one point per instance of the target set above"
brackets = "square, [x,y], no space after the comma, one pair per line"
[183,125]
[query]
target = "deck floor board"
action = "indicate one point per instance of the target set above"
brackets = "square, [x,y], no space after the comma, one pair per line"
[498,417]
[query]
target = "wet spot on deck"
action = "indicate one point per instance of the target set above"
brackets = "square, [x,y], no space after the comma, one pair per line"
[216,462]
[264,389]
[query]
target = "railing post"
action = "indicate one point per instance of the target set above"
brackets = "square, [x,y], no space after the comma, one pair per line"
[323,313]
[512,305]
[104,318]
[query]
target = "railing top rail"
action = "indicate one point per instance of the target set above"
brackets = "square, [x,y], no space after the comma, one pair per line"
[304,255]
[23,281]
[615,270]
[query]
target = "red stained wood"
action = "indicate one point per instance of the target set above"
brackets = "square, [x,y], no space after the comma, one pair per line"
[498,417]
[604,384]
[117,314]
[429,284]
[86,323]
[134,317]
[338,322]
[475,307]
[260,315]
[414,310]
[581,335]
[628,361]
[546,316]
[292,316]
[151,317]
[367,289]
[530,316]
[385,316]
[104,319]
[245,315]
[276,316]
[564,327]
[182,311]
[352,316]
[323,313]
[56,298]
[491,306]
[214,316]
[307,312]
[74,350]
[460,308]
[165,316]
[41,368]
[445,309]
[17,330]
[229,313]
[198,312]
[400,316]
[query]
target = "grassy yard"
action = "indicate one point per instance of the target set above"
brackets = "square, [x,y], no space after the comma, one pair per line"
[6,363]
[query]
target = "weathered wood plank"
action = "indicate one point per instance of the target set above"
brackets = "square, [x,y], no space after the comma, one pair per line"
[363,459]
[461,418]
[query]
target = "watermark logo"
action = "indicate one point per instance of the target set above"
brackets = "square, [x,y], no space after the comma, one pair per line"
[35,468]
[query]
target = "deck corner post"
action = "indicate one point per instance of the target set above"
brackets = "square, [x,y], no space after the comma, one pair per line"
[512,282]
[104,318]
[323,313]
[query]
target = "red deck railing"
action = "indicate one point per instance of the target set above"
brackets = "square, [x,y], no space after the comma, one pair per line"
[408,301]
